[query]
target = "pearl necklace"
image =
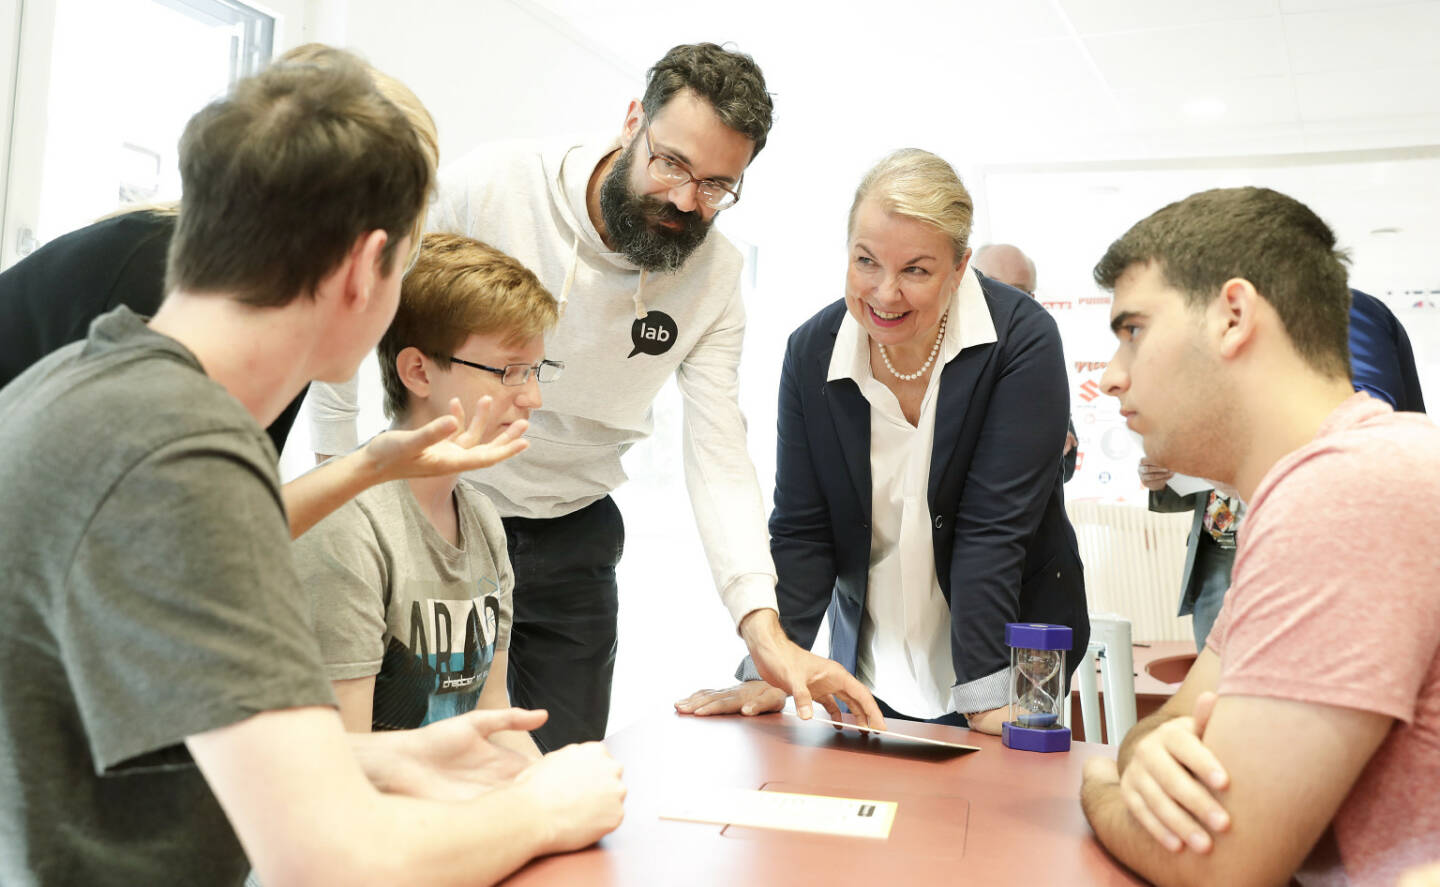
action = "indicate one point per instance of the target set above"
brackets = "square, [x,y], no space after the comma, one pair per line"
[906,377]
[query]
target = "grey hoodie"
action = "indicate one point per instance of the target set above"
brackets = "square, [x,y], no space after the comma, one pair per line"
[529,202]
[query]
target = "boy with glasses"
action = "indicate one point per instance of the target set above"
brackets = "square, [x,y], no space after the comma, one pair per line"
[621,230]
[410,580]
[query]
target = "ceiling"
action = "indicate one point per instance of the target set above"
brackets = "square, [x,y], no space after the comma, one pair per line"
[1003,81]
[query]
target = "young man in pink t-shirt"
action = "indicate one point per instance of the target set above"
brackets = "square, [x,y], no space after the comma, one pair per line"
[1306,739]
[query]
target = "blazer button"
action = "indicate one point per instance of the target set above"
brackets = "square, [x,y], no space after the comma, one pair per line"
[939,521]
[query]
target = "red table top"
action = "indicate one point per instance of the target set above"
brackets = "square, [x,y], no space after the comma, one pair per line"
[990,817]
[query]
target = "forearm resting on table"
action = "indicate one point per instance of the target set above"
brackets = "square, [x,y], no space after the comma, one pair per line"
[1123,836]
[1285,783]
[1117,830]
[306,813]
[1203,677]
[1144,727]
[989,721]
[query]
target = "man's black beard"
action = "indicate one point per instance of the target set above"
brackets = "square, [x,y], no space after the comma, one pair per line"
[632,222]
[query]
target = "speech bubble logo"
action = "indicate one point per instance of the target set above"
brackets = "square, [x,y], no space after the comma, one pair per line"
[653,334]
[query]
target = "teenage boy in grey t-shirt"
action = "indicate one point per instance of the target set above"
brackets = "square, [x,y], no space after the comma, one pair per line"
[410,582]
[164,713]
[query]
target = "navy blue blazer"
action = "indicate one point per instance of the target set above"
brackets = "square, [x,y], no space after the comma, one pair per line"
[1381,359]
[1004,548]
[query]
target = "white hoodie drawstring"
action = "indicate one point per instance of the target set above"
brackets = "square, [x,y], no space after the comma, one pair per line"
[569,276]
[640,309]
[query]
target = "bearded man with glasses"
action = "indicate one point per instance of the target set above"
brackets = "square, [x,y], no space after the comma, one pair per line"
[620,230]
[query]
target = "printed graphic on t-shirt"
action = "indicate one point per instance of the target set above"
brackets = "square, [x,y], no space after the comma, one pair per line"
[436,665]
[653,334]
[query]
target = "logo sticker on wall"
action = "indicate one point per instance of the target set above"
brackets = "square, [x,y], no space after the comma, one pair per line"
[652,334]
[1089,391]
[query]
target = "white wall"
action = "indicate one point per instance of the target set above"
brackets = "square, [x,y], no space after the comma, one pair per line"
[490,69]
[1378,202]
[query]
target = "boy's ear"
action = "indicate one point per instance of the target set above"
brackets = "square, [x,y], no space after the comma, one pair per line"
[363,271]
[414,371]
[1236,313]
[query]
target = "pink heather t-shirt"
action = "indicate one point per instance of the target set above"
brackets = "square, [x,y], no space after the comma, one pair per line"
[1335,599]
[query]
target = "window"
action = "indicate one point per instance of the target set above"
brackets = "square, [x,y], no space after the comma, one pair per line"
[104,90]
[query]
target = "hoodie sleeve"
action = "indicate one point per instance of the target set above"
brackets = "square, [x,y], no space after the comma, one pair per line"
[449,210]
[333,411]
[719,475]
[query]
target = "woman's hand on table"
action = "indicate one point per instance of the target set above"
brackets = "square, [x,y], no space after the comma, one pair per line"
[988,721]
[807,677]
[749,698]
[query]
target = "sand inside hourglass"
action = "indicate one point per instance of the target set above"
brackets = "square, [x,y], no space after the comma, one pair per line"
[1035,706]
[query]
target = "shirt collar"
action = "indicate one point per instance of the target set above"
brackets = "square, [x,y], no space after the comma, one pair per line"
[970,324]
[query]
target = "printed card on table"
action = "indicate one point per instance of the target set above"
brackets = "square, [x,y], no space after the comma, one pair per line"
[851,817]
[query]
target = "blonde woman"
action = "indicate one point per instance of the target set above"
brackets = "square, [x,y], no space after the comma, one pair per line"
[917,494]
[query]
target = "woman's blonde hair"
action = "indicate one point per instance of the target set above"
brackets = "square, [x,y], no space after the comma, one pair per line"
[919,185]
[399,95]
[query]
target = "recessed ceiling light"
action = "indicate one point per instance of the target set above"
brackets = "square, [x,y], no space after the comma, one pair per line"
[1385,232]
[1204,109]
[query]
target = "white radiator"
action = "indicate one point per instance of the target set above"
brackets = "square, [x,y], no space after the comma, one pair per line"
[1133,561]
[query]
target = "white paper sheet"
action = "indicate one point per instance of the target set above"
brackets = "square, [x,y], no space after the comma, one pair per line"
[894,735]
[1185,485]
[851,817]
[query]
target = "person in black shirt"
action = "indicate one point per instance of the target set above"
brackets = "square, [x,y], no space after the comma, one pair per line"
[49,298]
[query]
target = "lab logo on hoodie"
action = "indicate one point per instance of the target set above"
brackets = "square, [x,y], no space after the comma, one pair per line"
[652,334]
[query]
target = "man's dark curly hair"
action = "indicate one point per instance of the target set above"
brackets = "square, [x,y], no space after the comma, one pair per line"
[730,81]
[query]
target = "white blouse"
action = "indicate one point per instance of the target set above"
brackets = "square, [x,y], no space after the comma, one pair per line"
[904,645]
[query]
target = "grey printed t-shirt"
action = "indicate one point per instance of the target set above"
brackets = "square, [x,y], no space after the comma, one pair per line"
[393,598]
[147,594]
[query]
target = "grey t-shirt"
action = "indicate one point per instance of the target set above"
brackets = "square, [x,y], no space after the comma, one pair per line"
[393,598]
[148,594]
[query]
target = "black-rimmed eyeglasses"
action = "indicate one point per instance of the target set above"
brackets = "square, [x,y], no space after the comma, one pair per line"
[672,173]
[516,374]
